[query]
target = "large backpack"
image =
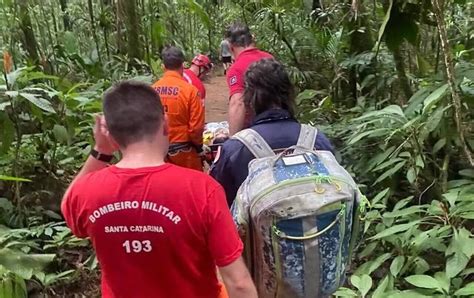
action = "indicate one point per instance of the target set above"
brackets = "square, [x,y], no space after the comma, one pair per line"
[298,215]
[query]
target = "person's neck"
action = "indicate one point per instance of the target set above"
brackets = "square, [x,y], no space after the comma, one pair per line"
[194,69]
[178,71]
[239,50]
[140,155]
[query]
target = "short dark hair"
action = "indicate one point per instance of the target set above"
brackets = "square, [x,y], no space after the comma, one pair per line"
[238,34]
[267,86]
[173,57]
[133,112]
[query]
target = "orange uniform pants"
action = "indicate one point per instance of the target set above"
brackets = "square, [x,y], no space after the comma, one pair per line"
[188,159]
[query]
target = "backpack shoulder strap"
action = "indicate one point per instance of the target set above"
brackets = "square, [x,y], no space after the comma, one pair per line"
[307,137]
[254,143]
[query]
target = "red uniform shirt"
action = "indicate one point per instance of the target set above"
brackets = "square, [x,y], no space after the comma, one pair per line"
[236,74]
[193,79]
[157,231]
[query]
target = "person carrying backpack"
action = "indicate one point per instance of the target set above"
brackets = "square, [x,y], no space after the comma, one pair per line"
[271,94]
[297,209]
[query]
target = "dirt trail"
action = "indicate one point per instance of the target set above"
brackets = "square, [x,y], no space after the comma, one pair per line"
[217,95]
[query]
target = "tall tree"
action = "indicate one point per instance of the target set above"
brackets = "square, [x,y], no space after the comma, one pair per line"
[94,33]
[66,21]
[26,27]
[134,44]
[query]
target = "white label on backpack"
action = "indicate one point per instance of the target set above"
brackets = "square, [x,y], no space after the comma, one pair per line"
[294,160]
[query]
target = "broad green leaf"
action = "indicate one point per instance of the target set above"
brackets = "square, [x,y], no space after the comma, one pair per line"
[6,288]
[10,178]
[39,102]
[390,172]
[345,292]
[382,287]
[371,133]
[381,195]
[421,266]
[24,264]
[455,264]
[467,271]
[443,281]
[405,211]
[395,229]
[439,145]
[306,95]
[467,290]
[363,283]
[409,294]
[373,265]
[402,203]
[416,101]
[60,133]
[467,173]
[368,249]
[198,10]
[397,265]
[411,175]
[419,162]
[434,120]
[434,97]
[423,281]
[451,197]
[387,164]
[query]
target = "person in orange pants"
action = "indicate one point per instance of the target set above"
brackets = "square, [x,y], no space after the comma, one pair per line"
[184,109]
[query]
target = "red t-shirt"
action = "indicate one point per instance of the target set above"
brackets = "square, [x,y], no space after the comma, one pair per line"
[236,74]
[157,231]
[193,79]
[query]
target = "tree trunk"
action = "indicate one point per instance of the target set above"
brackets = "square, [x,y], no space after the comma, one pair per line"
[401,73]
[66,20]
[448,62]
[104,24]
[134,45]
[360,41]
[29,36]
[119,17]
[145,34]
[94,33]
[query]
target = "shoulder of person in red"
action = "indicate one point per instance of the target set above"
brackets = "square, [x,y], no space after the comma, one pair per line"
[178,202]
[194,80]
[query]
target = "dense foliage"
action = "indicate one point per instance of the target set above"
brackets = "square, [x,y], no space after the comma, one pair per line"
[392,83]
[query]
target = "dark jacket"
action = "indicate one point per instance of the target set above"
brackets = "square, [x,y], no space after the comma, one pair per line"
[279,130]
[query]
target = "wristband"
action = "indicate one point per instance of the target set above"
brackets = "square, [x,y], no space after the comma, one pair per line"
[100,156]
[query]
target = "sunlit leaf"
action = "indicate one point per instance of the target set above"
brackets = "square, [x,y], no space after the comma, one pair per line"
[467,290]
[434,97]
[39,102]
[423,281]
[395,229]
[455,264]
[10,178]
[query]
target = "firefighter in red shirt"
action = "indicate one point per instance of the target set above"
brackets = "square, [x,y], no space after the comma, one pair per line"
[184,109]
[200,66]
[158,230]
[243,49]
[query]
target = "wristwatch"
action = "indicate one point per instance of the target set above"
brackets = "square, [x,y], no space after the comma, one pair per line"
[100,156]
